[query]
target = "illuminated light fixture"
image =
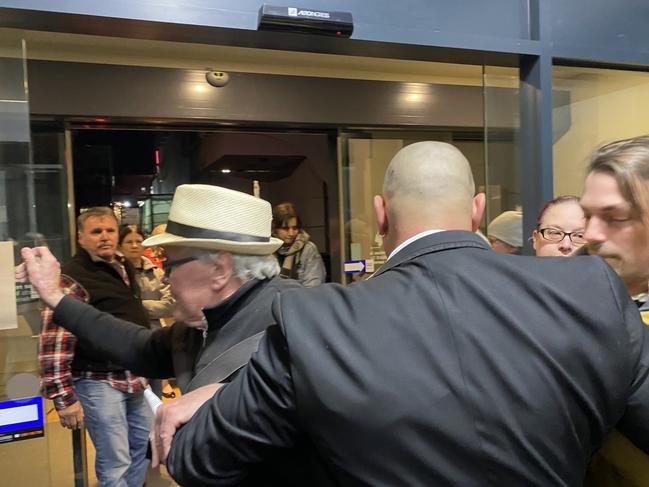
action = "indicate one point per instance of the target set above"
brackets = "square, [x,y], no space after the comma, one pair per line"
[414,97]
[200,88]
[126,204]
[226,171]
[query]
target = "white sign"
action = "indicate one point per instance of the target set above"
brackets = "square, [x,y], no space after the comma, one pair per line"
[8,310]
[20,414]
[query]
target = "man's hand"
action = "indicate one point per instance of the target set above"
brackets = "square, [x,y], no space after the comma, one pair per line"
[72,416]
[172,416]
[43,271]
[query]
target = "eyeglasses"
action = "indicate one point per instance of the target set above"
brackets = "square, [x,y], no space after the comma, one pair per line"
[168,265]
[555,236]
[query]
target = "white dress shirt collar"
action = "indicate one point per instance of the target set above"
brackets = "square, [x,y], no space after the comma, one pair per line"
[411,240]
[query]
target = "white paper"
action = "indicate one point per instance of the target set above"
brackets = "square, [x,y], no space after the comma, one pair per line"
[8,311]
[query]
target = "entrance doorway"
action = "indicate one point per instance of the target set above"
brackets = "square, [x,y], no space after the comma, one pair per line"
[136,171]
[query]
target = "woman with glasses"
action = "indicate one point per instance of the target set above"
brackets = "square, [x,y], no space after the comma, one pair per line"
[560,227]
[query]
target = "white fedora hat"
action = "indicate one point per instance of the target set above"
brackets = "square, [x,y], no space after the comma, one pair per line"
[215,218]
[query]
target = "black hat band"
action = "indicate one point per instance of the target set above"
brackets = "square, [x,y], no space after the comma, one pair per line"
[188,231]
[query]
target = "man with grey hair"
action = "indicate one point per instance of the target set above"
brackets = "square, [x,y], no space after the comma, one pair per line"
[222,274]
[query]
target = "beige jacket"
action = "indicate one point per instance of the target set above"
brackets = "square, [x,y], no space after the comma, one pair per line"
[156,297]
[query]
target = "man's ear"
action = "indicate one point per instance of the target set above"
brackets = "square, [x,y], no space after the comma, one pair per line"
[381,214]
[479,202]
[221,271]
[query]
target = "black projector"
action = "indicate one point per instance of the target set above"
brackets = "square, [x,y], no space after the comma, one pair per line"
[305,21]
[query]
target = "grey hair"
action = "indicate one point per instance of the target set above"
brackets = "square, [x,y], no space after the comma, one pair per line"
[246,266]
[95,211]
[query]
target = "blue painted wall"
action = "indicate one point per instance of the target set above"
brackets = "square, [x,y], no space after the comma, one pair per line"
[458,23]
[606,30]
[502,18]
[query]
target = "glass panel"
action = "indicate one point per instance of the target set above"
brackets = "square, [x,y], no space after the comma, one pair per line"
[502,167]
[364,158]
[592,107]
[491,148]
[32,212]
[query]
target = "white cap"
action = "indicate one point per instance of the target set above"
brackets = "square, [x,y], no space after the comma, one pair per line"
[508,227]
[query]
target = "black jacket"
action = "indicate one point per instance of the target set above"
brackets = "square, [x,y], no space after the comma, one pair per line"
[452,366]
[177,351]
[191,355]
[107,292]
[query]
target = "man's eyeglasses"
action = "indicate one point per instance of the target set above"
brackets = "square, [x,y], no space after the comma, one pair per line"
[555,236]
[168,265]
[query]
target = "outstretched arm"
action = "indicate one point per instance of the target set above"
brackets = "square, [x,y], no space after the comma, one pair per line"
[142,351]
[145,352]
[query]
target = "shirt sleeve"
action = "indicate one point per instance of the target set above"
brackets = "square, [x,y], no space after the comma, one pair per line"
[144,352]
[245,422]
[56,348]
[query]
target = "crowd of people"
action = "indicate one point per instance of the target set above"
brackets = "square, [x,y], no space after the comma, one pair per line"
[459,362]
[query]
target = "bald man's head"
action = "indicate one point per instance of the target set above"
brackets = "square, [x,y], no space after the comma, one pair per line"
[430,181]
[427,186]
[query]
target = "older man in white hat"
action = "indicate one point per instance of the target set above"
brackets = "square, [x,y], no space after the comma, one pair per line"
[223,276]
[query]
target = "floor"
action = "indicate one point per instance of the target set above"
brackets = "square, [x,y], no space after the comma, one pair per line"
[47,461]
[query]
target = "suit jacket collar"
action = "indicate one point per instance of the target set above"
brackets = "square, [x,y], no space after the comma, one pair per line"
[447,240]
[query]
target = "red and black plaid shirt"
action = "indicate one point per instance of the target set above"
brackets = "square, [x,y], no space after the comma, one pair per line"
[56,351]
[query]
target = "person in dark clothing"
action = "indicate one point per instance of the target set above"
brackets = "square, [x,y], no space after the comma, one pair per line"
[452,366]
[222,274]
[86,388]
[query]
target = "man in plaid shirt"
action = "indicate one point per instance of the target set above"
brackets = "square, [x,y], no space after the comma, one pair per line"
[85,387]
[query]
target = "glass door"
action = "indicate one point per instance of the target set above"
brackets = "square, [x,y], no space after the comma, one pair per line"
[364,156]
[490,145]
[34,449]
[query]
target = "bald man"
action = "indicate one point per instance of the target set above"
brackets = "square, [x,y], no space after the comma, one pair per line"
[452,366]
